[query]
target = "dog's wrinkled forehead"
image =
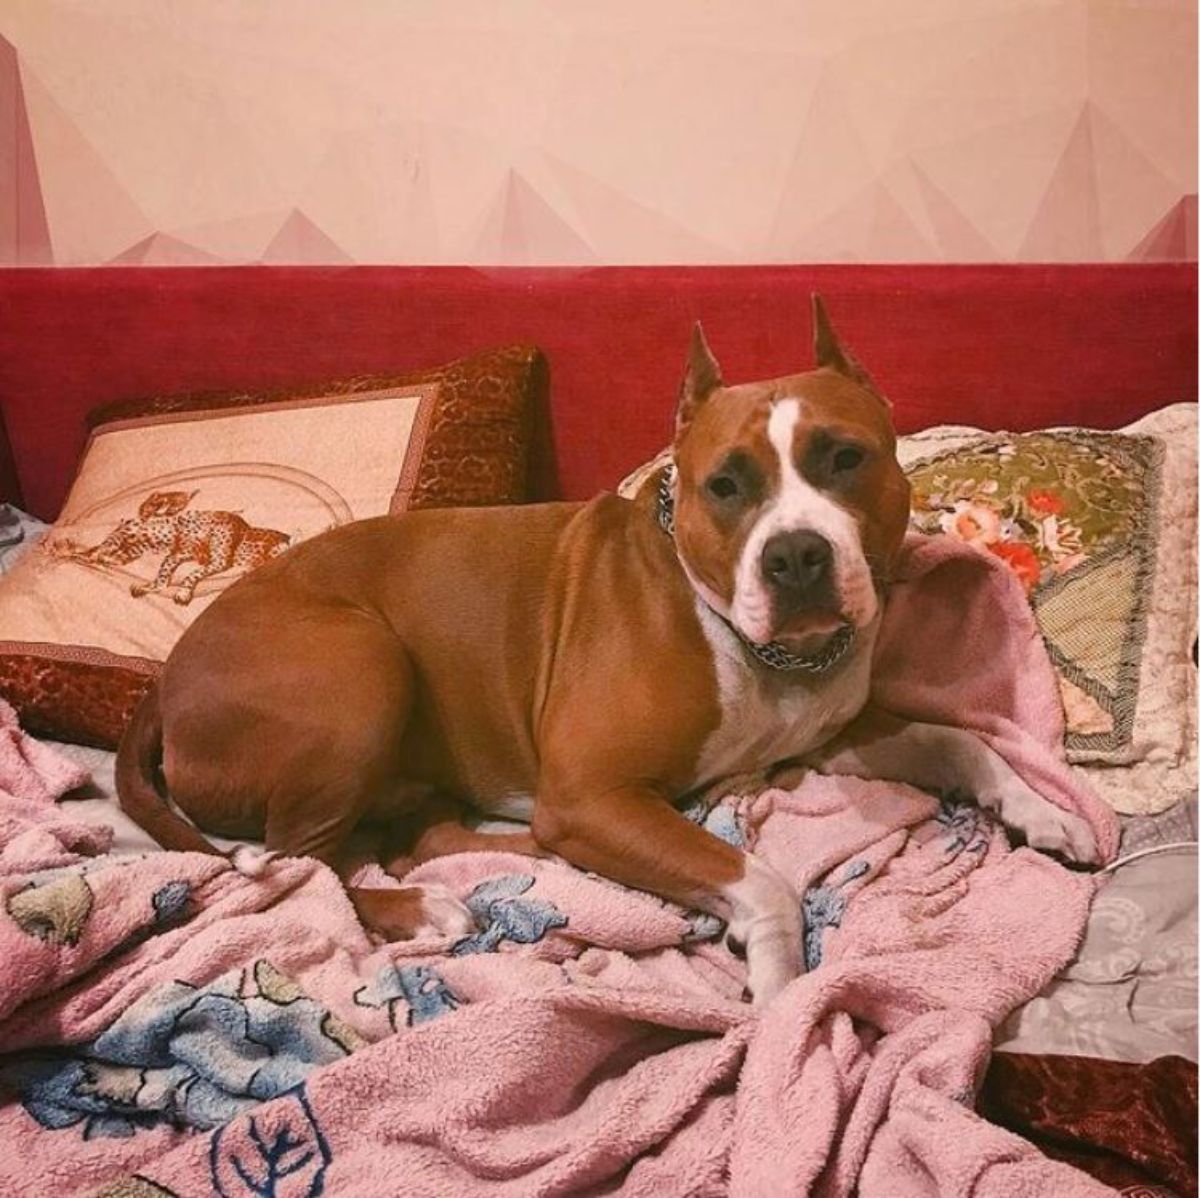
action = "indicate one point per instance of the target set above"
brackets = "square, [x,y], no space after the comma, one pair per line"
[757,430]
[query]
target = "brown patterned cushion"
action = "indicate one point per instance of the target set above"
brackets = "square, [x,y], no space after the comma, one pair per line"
[178,495]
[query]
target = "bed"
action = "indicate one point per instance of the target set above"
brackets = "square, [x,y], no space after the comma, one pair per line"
[1098,1069]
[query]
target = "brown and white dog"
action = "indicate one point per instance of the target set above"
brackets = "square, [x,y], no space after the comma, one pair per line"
[581,666]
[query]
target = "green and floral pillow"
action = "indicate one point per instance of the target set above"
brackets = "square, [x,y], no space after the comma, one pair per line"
[1072,515]
[1100,529]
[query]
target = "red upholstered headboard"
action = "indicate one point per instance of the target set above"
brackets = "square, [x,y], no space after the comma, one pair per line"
[997,346]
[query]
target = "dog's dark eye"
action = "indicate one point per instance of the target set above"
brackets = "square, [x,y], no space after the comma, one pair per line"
[722,486]
[849,457]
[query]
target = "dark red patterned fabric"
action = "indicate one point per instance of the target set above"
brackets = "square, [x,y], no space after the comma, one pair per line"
[996,346]
[1126,1124]
[71,700]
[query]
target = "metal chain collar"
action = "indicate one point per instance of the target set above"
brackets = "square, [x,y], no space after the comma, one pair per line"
[772,654]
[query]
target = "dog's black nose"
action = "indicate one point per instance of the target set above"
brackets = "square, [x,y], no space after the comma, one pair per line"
[796,561]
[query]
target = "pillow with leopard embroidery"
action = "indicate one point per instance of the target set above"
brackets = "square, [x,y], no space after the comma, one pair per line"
[177,497]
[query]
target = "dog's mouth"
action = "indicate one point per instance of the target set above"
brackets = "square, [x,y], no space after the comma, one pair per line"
[822,622]
[799,629]
[809,632]
[813,642]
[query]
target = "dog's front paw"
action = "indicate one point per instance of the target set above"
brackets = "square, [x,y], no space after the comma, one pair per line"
[772,962]
[1058,831]
[1046,826]
[766,925]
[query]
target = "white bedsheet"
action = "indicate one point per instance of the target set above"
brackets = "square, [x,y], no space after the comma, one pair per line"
[97,803]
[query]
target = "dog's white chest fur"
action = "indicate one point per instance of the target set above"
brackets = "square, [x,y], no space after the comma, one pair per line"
[769,718]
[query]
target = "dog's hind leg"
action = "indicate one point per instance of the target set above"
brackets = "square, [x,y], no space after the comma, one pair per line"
[437,829]
[395,913]
[409,912]
[346,768]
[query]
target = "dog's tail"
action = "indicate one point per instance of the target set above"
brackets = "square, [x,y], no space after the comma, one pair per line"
[138,758]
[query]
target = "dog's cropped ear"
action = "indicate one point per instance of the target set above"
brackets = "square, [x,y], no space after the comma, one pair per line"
[830,352]
[701,377]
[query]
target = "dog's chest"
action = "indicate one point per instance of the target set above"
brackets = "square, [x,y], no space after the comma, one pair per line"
[768,718]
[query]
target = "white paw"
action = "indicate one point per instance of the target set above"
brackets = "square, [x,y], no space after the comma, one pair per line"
[1048,827]
[765,918]
[771,964]
[443,914]
[1059,831]
[251,862]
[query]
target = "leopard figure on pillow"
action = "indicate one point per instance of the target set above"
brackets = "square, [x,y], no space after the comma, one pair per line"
[213,542]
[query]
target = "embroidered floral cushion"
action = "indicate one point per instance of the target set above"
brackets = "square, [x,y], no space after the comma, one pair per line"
[178,496]
[1099,527]
[1072,516]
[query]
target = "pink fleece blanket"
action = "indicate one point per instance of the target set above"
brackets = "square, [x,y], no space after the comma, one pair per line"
[172,1028]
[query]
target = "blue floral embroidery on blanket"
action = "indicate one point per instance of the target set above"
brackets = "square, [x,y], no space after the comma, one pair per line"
[276,1152]
[965,826]
[824,907]
[722,821]
[185,1055]
[502,915]
[422,991]
[170,901]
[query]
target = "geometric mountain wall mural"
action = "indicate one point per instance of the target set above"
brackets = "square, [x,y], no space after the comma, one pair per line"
[755,131]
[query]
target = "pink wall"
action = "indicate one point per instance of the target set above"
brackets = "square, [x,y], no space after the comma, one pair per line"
[563,132]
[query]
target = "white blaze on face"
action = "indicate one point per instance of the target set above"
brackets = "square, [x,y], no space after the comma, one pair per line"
[799,507]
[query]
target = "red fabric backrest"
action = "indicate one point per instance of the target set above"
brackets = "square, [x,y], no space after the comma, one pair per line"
[997,346]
